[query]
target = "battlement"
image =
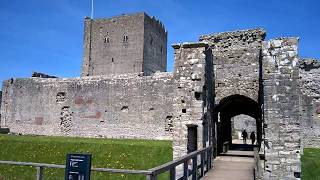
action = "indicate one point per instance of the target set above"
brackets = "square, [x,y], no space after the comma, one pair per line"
[155,23]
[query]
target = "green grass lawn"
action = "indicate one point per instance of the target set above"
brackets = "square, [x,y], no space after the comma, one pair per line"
[311,164]
[107,153]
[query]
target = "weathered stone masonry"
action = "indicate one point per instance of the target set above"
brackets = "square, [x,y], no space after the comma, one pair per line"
[281,108]
[121,95]
[236,57]
[124,44]
[160,106]
[193,98]
[309,83]
[126,106]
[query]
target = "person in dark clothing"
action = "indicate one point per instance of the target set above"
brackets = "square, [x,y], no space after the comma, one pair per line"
[253,138]
[244,136]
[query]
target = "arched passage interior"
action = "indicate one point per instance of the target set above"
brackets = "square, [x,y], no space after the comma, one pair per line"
[232,106]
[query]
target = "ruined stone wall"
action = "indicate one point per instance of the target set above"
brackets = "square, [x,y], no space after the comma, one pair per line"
[281,104]
[236,62]
[310,102]
[119,106]
[122,45]
[42,75]
[193,95]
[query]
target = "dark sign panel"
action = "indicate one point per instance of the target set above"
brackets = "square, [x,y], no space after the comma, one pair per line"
[78,167]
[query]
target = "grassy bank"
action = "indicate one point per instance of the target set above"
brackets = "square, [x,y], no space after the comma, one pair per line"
[310,164]
[107,153]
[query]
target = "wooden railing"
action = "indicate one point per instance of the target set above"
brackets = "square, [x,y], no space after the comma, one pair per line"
[226,146]
[42,166]
[257,170]
[190,159]
[200,162]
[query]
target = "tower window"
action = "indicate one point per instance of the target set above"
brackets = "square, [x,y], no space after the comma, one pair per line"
[112,60]
[125,38]
[106,40]
[161,49]
[151,41]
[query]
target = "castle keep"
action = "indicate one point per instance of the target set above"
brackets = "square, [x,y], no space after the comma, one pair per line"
[124,44]
[125,92]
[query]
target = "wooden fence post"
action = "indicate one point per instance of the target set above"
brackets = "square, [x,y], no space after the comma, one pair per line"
[151,177]
[202,164]
[39,173]
[210,157]
[206,161]
[185,170]
[194,168]
[173,173]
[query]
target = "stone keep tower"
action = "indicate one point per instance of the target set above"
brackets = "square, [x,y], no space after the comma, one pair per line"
[124,44]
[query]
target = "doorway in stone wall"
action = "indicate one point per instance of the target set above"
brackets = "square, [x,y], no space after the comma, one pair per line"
[227,110]
[192,138]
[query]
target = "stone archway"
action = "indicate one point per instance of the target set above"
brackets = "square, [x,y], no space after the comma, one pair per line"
[232,106]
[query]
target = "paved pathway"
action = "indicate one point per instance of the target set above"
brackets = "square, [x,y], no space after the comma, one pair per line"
[232,167]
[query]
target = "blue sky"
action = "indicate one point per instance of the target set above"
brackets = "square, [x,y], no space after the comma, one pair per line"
[46,35]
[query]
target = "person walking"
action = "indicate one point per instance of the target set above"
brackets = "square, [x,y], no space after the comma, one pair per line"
[252,137]
[244,136]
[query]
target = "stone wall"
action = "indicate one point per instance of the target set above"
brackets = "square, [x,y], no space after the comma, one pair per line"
[193,96]
[123,44]
[118,106]
[281,104]
[113,46]
[236,62]
[310,102]
[160,106]
[154,47]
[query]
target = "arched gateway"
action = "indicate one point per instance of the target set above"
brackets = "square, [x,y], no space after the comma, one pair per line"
[230,107]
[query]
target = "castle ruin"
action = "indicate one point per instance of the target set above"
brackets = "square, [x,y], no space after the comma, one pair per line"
[125,92]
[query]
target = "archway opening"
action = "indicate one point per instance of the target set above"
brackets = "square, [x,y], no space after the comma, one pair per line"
[241,123]
[226,110]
